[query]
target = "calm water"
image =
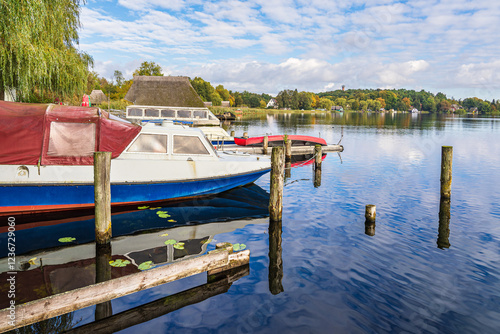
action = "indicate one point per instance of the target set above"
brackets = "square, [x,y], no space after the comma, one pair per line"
[326,272]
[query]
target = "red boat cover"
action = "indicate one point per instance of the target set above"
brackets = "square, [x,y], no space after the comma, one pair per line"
[59,135]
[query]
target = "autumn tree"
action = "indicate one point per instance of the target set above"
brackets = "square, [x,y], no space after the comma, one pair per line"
[38,57]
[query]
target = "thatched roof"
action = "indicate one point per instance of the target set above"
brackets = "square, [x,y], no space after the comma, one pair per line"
[97,97]
[163,91]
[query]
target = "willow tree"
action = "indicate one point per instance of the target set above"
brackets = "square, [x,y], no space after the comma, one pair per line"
[38,57]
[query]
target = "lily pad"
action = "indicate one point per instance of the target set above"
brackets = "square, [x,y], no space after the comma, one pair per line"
[164,235]
[119,263]
[67,239]
[143,207]
[163,214]
[170,242]
[146,265]
[179,245]
[239,247]
[172,221]
[155,208]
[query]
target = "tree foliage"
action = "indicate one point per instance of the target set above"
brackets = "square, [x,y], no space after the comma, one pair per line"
[149,68]
[38,57]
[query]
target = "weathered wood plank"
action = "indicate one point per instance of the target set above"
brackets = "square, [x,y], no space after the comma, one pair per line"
[295,149]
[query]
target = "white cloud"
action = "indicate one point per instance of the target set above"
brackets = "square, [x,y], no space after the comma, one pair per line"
[305,43]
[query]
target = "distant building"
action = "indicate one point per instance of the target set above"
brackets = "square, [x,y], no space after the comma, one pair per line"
[272,104]
[337,108]
[207,104]
[226,104]
[9,95]
[97,97]
[163,91]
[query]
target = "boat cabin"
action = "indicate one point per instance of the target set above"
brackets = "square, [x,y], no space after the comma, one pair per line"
[189,115]
[169,141]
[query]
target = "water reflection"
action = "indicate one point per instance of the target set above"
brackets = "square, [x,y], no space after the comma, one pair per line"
[443,240]
[215,285]
[275,260]
[140,236]
[102,274]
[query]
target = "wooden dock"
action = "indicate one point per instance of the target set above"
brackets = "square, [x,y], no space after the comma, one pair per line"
[296,150]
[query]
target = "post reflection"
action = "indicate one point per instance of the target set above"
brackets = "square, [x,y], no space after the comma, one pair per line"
[317,178]
[275,260]
[370,228]
[102,274]
[288,170]
[443,240]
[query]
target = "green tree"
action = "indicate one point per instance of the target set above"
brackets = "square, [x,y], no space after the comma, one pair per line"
[118,78]
[149,68]
[38,57]
[325,103]
[203,88]
[223,93]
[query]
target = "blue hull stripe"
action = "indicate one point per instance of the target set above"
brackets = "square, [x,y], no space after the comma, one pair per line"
[40,195]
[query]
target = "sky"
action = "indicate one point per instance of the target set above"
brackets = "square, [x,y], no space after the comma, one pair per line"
[266,46]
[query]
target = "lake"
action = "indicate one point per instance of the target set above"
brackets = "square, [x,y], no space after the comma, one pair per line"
[324,271]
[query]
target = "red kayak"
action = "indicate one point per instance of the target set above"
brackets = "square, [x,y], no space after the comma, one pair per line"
[297,140]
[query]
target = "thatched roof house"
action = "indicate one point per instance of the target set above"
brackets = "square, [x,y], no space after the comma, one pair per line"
[97,97]
[163,91]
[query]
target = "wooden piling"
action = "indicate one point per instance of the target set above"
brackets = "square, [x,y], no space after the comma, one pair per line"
[446,167]
[288,150]
[52,306]
[370,213]
[277,176]
[102,197]
[265,144]
[318,157]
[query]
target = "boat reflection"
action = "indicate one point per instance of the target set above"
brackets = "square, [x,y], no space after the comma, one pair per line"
[45,266]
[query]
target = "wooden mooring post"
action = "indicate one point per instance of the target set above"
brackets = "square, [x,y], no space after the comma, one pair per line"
[446,167]
[214,262]
[102,197]
[277,182]
[265,144]
[288,150]
[318,157]
[370,215]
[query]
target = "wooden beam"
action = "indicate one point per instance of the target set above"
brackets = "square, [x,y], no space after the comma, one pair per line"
[59,304]
[295,149]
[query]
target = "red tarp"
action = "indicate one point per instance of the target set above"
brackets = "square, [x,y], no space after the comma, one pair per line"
[59,135]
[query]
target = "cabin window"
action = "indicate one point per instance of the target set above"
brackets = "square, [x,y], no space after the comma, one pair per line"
[134,112]
[200,113]
[149,143]
[71,139]
[151,112]
[168,113]
[189,145]
[184,113]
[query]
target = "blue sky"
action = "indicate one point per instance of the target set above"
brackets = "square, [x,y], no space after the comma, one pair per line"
[265,46]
